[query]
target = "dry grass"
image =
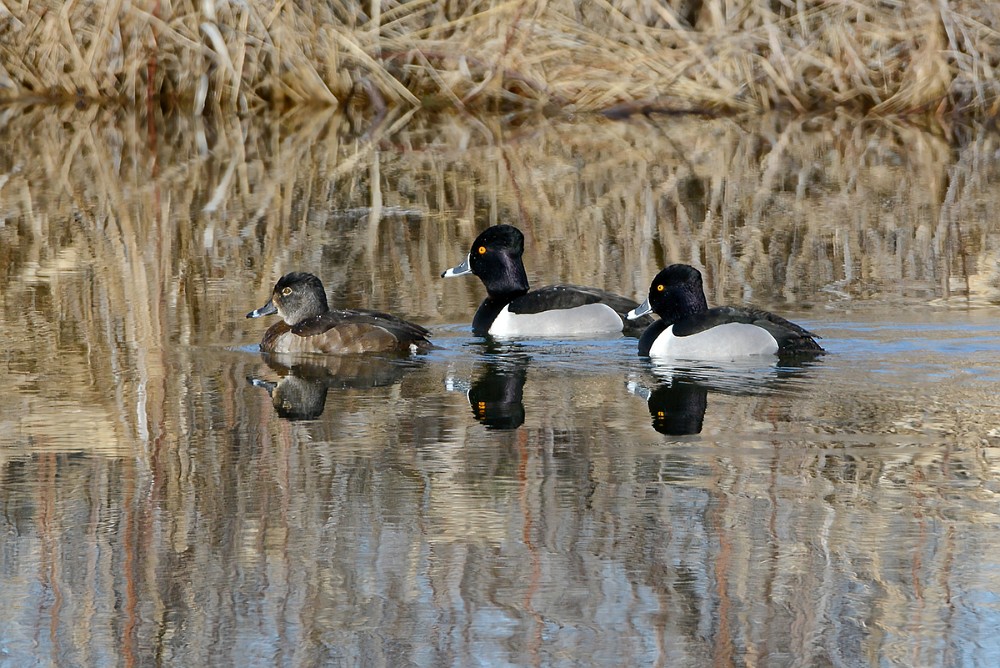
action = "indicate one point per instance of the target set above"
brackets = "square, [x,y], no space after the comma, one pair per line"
[891,57]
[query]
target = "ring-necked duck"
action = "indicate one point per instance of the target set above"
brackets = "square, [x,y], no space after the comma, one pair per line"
[688,329]
[556,310]
[308,325]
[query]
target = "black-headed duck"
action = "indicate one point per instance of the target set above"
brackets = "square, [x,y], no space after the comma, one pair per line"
[510,310]
[688,329]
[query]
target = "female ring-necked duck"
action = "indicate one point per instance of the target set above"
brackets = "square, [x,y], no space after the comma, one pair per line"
[308,325]
[688,329]
[556,310]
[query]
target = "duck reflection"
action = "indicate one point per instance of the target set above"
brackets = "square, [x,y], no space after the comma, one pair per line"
[300,392]
[679,399]
[677,407]
[496,392]
[496,395]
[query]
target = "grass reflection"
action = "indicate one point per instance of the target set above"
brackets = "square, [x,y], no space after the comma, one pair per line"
[155,505]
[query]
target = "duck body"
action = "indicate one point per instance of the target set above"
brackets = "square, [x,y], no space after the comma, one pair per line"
[512,310]
[688,329]
[555,310]
[308,325]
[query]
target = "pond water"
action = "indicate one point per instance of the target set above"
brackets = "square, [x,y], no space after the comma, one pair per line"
[168,496]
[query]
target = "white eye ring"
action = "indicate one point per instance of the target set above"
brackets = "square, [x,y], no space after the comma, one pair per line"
[286,292]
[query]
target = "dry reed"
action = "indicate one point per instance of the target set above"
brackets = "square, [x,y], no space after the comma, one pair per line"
[620,57]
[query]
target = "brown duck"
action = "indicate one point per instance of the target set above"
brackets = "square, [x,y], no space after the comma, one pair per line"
[309,325]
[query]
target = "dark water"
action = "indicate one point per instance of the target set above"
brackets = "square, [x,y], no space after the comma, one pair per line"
[168,496]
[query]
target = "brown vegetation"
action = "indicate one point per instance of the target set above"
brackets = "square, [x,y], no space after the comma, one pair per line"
[619,57]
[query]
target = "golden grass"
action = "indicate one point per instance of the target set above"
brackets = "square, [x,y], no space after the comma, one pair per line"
[886,58]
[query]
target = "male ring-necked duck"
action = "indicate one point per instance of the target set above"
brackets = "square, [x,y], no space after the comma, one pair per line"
[556,310]
[688,329]
[308,325]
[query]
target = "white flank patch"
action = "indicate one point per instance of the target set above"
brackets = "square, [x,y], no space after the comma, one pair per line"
[722,342]
[587,319]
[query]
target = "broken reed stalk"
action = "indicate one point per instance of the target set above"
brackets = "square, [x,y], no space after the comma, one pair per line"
[617,56]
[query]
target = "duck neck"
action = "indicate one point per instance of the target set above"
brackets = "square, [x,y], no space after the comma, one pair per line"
[683,305]
[509,283]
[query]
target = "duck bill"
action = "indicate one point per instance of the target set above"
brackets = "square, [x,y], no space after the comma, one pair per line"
[639,311]
[460,270]
[638,390]
[267,309]
[261,383]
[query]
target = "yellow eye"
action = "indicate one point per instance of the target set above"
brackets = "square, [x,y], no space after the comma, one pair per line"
[659,288]
[481,250]
[286,291]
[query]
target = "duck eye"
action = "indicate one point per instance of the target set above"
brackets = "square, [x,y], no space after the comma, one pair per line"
[481,250]
[286,292]
[659,288]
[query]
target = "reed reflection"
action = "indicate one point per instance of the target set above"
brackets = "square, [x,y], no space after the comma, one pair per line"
[301,389]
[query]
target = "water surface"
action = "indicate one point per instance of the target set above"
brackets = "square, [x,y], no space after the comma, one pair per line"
[170,496]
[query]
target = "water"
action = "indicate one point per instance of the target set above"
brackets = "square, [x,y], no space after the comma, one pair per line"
[169,496]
